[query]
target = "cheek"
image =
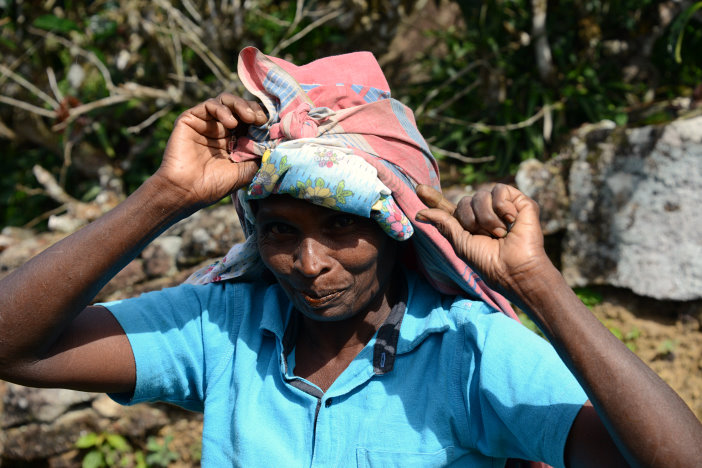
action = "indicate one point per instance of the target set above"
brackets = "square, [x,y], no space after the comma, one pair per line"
[372,258]
[274,258]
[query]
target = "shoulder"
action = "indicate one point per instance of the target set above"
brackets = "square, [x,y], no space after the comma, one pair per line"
[477,327]
[186,302]
[458,312]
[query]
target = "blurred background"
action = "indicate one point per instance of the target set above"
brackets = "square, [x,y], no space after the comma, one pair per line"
[590,106]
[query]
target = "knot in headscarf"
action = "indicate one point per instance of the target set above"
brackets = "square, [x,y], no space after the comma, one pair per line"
[301,122]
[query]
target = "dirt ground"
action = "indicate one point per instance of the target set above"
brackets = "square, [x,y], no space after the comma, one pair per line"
[666,335]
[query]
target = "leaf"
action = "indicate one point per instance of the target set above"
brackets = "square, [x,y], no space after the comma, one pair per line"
[93,459]
[55,24]
[118,442]
[153,444]
[88,440]
[617,332]
[677,30]
[139,459]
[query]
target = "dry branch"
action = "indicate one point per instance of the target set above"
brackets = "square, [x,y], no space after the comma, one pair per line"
[306,30]
[481,127]
[29,86]
[28,107]
[459,156]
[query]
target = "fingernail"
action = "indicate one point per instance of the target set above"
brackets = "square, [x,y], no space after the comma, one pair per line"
[499,232]
[422,219]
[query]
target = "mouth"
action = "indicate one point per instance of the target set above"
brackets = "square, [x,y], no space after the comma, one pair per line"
[320,300]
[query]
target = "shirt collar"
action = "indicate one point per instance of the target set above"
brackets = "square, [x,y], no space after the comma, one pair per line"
[276,312]
[425,315]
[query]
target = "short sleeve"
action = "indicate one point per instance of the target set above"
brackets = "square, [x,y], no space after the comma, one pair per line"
[164,329]
[525,397]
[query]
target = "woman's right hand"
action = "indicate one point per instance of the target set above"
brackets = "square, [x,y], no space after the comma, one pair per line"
[196,162]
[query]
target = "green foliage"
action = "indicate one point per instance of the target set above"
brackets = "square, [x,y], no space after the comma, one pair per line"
[629,338]
[491,99]
[588,296]
[54,23]
[667,348]
[159,452]
[108,449]
[78,53]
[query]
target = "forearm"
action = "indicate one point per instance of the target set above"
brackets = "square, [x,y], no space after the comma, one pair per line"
[650,424]
[38,300]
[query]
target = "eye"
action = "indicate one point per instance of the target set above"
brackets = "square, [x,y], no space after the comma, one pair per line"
[343,221]
[278,228]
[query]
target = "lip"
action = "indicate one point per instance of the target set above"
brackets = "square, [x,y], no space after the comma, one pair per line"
[317,301]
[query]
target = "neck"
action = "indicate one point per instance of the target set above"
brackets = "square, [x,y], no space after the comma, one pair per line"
[332,338]
[325,349]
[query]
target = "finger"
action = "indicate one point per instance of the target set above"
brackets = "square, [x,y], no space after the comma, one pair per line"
[487,220]
[208,127]
[503,202]
[249,112]
[239,174]
[434,199]
[445,223]
[520,212]
[221,112]
[465,216]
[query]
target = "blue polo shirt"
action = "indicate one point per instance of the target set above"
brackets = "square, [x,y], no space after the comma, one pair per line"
[446,381]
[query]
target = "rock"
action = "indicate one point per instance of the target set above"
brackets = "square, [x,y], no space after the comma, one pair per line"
[37,441]
[136,421]
[23,405]
[634,196]
[545,184]
[107,407]
[20,248]
[455,193]
[160,256]
[130,275]
[207,234]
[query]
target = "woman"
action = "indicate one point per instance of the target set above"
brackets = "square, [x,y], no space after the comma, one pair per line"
[327,338]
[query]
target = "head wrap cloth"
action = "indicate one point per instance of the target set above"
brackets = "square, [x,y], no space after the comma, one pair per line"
[334,115]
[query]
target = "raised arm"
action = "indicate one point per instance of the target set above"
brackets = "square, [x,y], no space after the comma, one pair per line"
[48,334]
[498,234]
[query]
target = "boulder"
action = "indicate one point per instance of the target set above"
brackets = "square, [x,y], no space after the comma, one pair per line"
[631,218]
[38,441]
[24,405]
[207,234]
[544,183]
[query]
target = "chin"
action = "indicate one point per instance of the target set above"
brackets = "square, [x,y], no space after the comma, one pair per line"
[325,315]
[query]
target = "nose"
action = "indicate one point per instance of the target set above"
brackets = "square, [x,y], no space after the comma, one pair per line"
[312,258]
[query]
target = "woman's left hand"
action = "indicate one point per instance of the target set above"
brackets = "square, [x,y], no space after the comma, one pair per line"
[496,232]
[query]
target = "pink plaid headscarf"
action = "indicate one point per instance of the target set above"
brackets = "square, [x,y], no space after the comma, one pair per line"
[346,100]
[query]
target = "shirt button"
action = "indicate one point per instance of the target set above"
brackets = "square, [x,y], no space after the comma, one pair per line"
[328,403]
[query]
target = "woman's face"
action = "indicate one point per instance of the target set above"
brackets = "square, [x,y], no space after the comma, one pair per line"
[331,264]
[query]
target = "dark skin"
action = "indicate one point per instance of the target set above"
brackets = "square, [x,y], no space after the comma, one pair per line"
[50,335]
[336,268]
